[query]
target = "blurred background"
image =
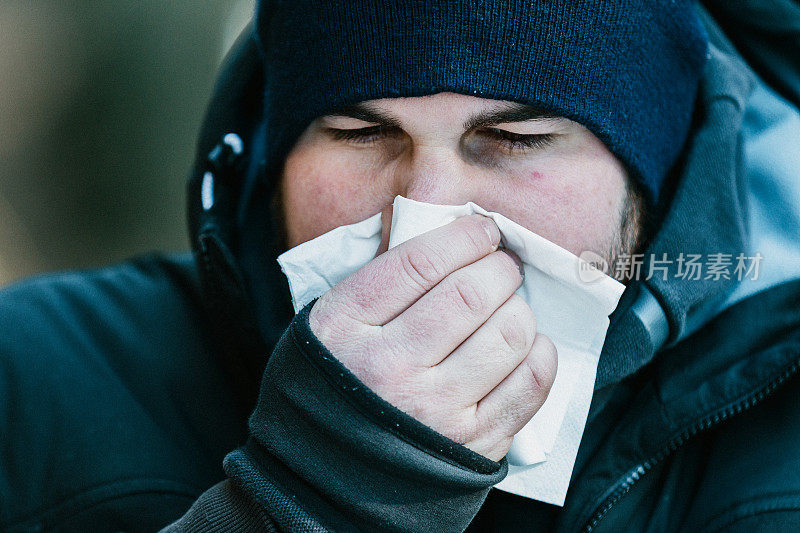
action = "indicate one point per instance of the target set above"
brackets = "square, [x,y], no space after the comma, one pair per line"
[100,105]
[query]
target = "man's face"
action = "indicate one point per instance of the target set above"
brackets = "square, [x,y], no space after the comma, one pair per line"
[547,173]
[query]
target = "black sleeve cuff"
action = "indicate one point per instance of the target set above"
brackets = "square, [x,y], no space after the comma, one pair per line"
[377,466]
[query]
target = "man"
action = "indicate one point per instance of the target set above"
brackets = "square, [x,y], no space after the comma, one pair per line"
[390,402]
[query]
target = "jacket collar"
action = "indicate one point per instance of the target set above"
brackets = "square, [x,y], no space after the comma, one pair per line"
[707,215]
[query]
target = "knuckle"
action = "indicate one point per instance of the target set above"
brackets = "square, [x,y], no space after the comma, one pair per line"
[422,265]
[543,363]
[323,322]
[517,324]
[349,301]
[358,296]
[534,380]
[516,335]
[476,234]
[467,295]
[333,323]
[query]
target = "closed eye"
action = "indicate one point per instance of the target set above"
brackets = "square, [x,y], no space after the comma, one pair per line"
[366,135]
[514,142]
[509,141]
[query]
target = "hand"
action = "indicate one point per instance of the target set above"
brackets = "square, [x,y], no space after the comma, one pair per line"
[433,327]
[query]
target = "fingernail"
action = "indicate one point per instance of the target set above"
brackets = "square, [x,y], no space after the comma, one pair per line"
[491,230]
[516,260]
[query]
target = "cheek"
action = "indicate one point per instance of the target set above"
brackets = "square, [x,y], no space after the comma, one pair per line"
[573,202]
[323,190]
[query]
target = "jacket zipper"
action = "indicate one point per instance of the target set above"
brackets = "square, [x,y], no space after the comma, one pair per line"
[633,475]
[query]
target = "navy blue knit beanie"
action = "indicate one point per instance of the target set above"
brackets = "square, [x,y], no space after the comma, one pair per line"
[626,69]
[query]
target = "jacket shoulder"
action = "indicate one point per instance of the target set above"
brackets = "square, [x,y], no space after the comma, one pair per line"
[751,468]
[111,393]
[155,295]
[747,467]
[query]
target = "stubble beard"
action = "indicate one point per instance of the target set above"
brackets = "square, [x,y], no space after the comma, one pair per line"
[631,236]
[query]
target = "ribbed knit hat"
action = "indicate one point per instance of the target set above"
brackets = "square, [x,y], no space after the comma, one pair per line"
[626,69]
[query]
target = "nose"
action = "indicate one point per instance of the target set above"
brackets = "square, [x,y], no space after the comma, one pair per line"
[433,174]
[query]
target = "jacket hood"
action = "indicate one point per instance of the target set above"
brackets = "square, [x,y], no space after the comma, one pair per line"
[729,198]
[737,194]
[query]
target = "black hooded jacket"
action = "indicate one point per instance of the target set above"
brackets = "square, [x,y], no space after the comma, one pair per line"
[179,391]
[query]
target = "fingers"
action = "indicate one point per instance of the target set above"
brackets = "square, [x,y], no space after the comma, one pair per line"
[433,327]
[507,408]
[448,314]
[390,283]
[488,355]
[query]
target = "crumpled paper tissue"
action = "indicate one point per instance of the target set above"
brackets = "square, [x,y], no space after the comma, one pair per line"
[571,308]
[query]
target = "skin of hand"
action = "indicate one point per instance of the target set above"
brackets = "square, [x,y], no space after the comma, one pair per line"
[433,327]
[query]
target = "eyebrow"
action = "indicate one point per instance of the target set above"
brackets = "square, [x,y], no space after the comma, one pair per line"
[366,112]
[513,112]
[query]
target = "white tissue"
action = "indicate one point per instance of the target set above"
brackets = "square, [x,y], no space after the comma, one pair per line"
[572,312]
